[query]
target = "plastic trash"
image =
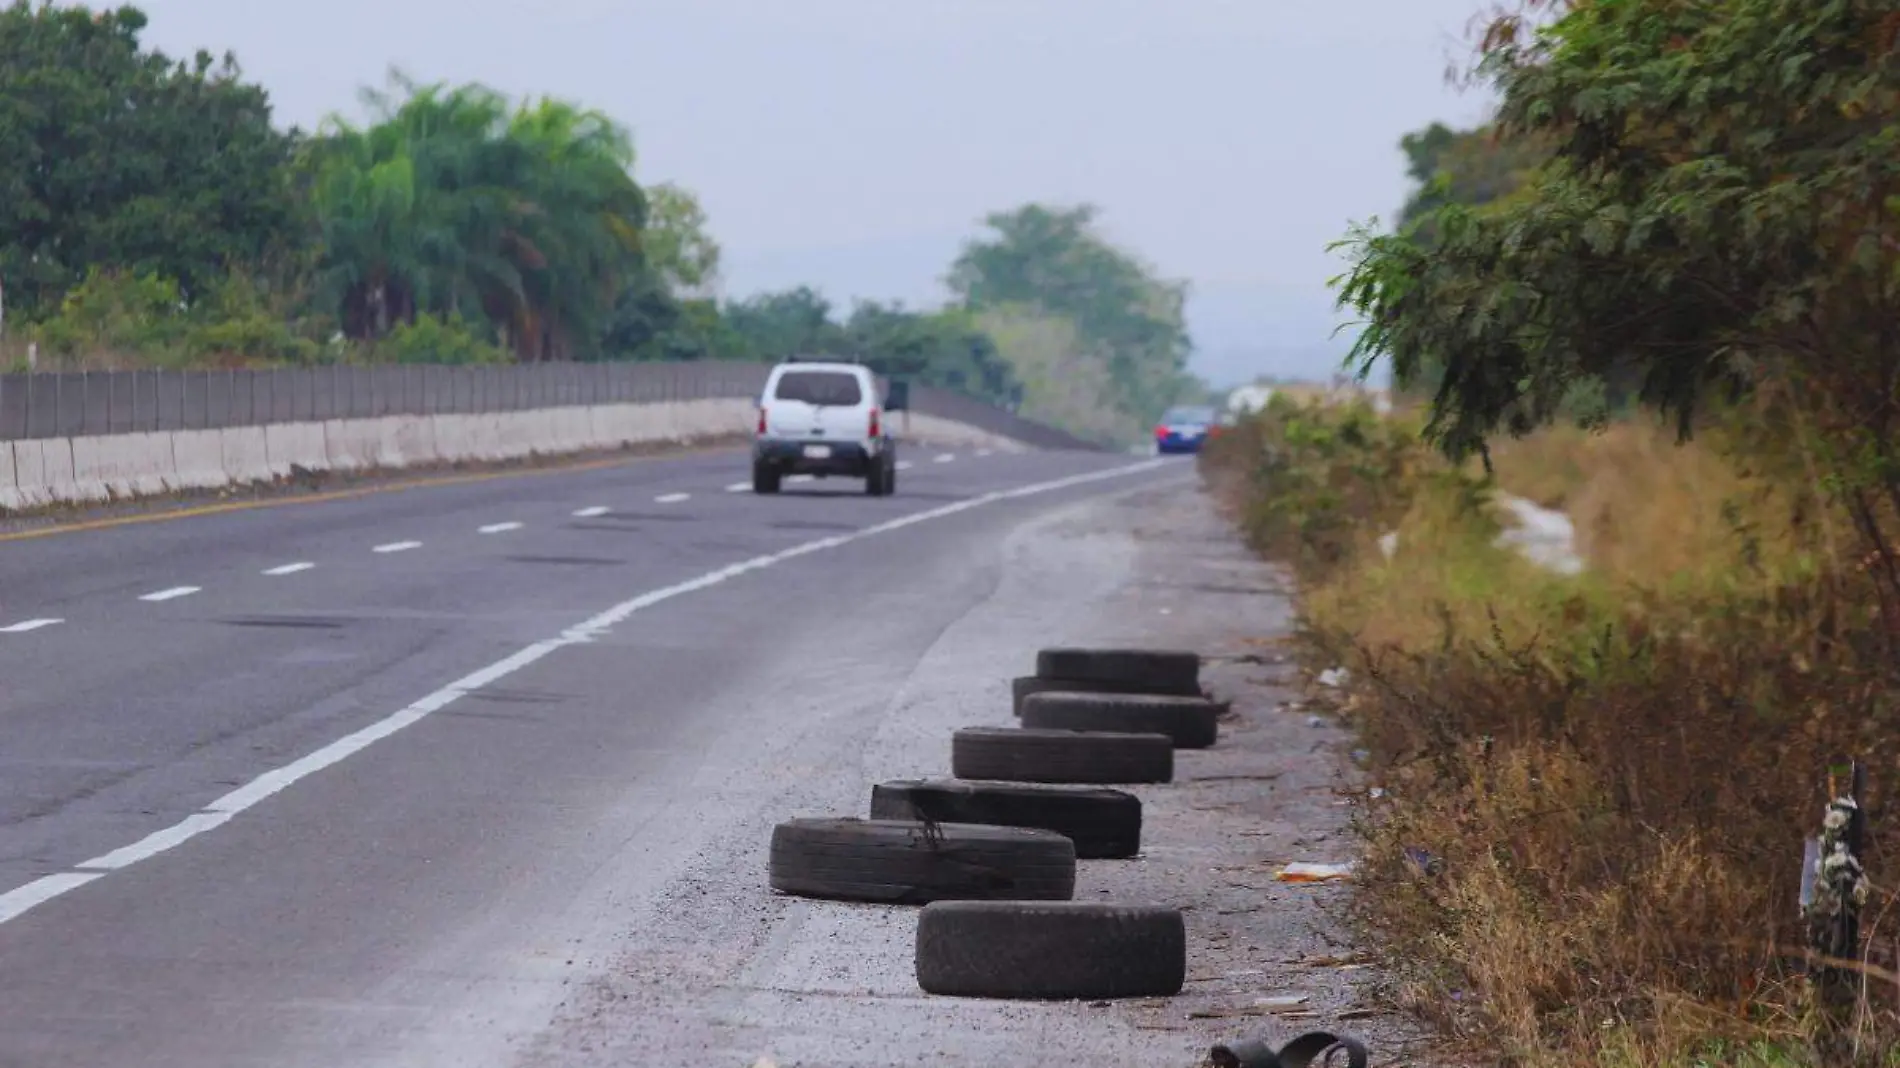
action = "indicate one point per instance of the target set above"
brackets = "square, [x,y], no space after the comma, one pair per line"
[1303,872]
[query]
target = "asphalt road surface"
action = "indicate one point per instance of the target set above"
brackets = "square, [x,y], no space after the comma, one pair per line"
[336,782]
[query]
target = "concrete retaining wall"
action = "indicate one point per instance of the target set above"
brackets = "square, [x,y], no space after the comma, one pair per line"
[44,471]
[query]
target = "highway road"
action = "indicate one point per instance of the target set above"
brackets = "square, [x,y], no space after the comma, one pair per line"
[336,782]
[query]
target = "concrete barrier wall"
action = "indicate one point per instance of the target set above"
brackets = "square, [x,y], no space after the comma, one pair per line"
[934,430]
[43,471]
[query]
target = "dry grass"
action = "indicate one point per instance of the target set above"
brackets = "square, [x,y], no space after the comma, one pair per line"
[1608,777]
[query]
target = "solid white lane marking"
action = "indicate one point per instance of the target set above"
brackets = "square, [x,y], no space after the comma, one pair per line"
[672,498]
[591,513]
[946,457]
[220,811]
[904,465]
[739,487]
[172,594]
[398,547]
[31,624]
[289,569]
[500,528]
[41,890]
[155,843]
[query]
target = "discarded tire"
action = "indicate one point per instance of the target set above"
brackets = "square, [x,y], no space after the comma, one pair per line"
[1103,824]
[1021,688]
[1011,949]
[1060,756]
[907,863]
[1192,722]
[1168,670]
[1311,1048]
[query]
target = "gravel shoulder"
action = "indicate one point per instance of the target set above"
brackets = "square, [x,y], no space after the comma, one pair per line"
[715,969]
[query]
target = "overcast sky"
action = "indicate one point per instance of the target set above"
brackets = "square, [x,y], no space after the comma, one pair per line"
[855,144]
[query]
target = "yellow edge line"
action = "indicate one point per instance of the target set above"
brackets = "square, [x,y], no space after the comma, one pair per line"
[314,498]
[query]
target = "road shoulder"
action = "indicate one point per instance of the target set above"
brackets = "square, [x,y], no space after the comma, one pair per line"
[722,971]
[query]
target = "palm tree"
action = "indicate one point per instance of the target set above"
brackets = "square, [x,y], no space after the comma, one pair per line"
[451,203]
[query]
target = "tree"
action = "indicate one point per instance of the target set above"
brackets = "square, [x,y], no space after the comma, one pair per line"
[677,245]
[120,158]
[775,326]
[1061,384]
[1719,218]
[1055,261]
[944,348]
[455,204]
[1468,167]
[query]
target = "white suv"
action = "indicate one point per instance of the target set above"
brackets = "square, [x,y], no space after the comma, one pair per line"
[823,418]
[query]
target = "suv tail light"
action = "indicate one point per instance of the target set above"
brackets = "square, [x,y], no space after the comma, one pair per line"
[1161,432]
[875,424]
[761,421]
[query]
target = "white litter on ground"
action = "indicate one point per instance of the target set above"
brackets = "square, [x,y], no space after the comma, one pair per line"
[1543,536]
[1303,872]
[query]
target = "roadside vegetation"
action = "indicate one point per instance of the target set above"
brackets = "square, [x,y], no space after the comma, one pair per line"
[1657,295]
[152,214]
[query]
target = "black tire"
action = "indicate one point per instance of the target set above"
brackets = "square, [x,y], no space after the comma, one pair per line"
[764,479]
[1015,949]
[881,480]
[1192,722]
[900,862]
[1024,685]
[1171,671]
[1092,757]
[1103,824]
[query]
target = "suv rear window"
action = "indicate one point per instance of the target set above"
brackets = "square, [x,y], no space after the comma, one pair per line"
[819,387]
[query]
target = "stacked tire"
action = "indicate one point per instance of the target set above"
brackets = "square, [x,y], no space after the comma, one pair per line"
[991,854]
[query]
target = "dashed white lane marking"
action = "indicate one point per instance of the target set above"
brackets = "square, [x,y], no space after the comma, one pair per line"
[172,594]
[904,465]
[289,569]
[739,487]
[398,547]
[983,452]
[29,625]
[500,528]
[672,498]
[591,513]
[217,813]
[946,457]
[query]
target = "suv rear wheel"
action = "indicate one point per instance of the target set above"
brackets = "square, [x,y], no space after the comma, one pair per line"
[764,479]
[882,481]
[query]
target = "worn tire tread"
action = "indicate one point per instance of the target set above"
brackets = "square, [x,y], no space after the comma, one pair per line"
[1040,950]
[1104,824]
[1192,722]
[1049,756]
[894,862]
[1175,670]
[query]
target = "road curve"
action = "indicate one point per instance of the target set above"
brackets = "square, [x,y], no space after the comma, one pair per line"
[272,778]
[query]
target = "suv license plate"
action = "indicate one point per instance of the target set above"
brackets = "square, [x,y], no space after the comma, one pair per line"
[817,452]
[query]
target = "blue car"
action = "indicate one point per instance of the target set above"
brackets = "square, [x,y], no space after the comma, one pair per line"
[1185,429]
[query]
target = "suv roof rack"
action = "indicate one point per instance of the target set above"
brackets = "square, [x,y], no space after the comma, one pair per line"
[823,359]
